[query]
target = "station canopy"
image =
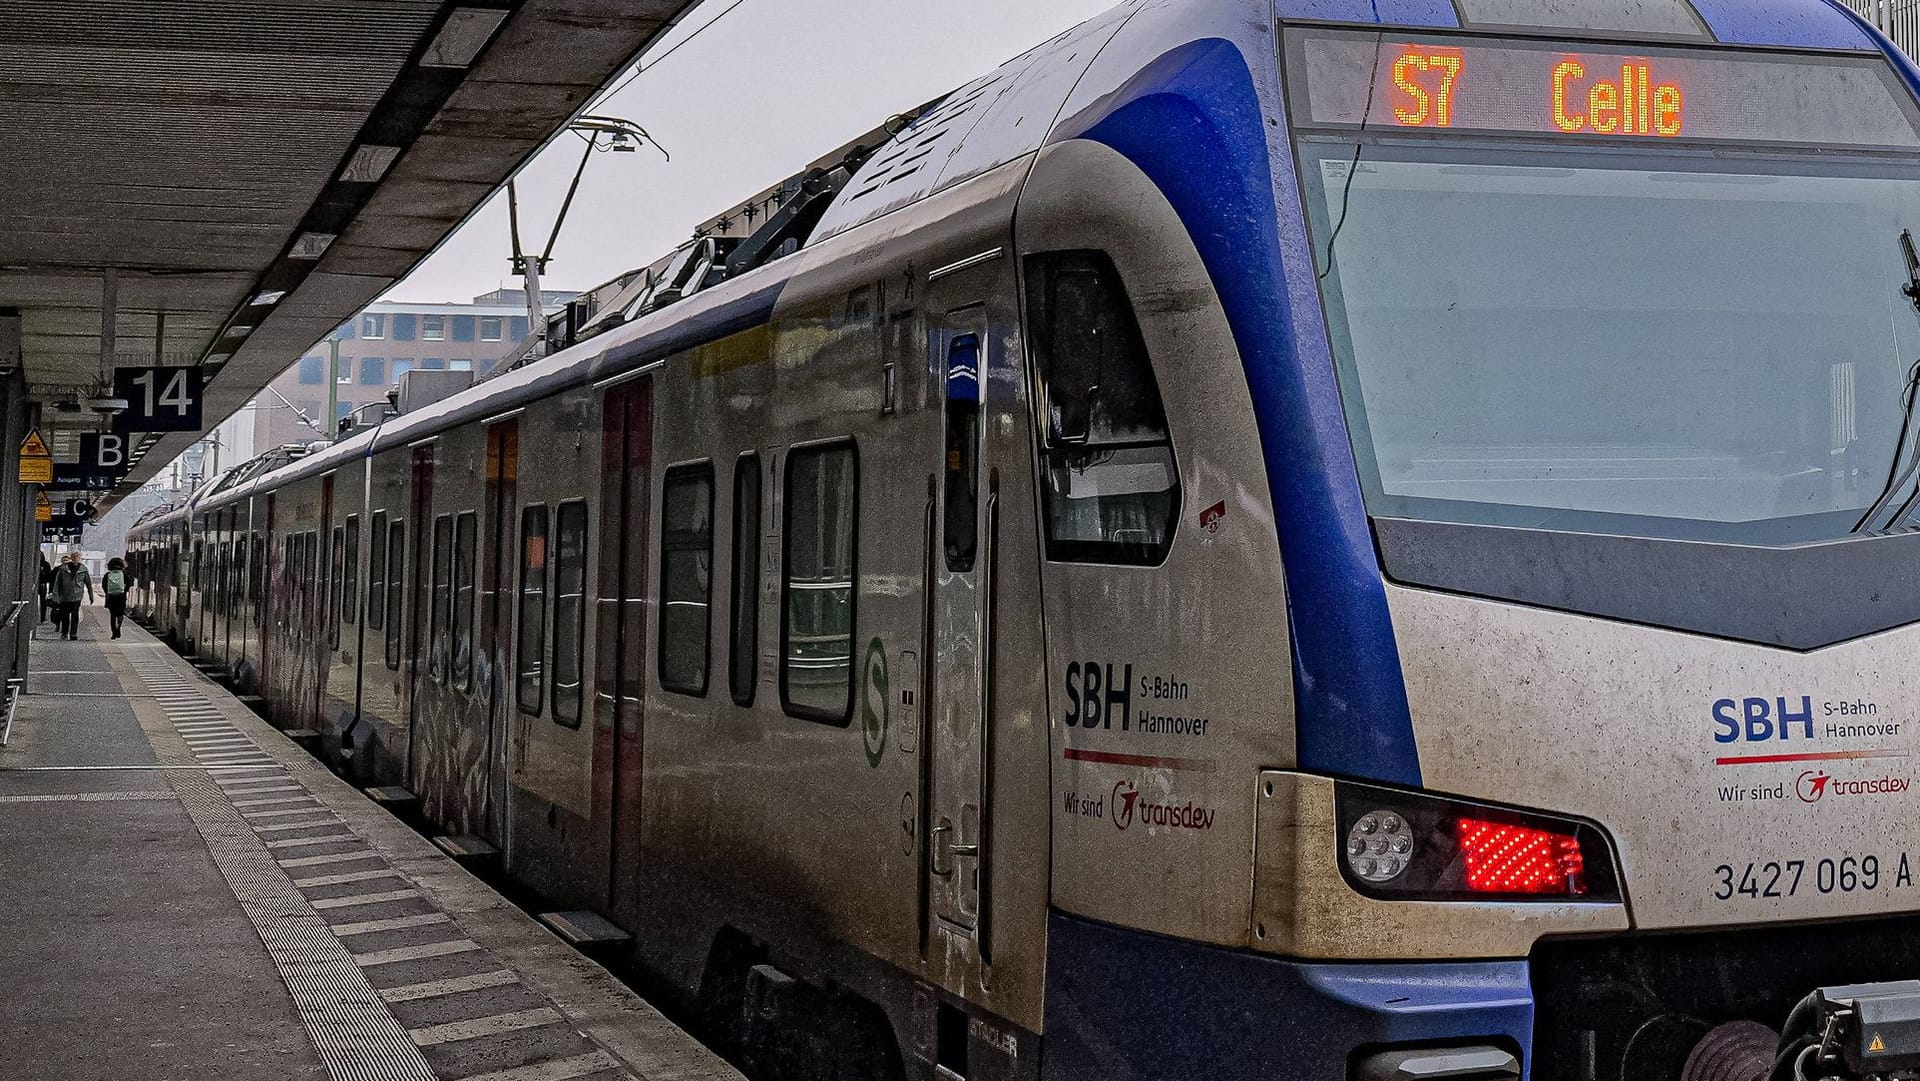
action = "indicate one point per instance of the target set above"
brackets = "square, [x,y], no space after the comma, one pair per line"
[224,183]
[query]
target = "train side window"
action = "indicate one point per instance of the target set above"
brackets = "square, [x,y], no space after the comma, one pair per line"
[962,513]
[258,584]
[350,587]
[336,581]
[1111,488]
[530,648]
[464,530]
[817,609]
[377,573]
[396,590]
[439,616]
[686,578]
[743,657]
[569,610]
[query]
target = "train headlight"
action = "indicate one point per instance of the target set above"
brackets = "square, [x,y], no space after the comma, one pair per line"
[1379,846]
[1412,846]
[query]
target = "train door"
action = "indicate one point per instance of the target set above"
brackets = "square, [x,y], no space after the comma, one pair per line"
[496,608]
[984,688]
[421,596]
[266,610]
[313,659]
[957,853]
[621,676]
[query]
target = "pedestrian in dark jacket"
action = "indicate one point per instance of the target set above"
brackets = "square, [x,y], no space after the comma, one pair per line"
[46,589]
[114,585]
[71,584]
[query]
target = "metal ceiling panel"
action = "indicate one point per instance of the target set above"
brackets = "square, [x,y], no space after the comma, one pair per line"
[182,146]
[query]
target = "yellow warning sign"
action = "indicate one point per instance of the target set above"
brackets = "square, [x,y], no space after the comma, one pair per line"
[1878,1044]
[36,461]
[42,508]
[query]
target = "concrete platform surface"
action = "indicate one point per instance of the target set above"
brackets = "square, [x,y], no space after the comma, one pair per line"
[185,895]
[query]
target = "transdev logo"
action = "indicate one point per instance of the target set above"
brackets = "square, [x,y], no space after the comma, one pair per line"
[1129,807]
[1813,786]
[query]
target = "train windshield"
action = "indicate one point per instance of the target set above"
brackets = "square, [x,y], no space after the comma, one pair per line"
[1656,340]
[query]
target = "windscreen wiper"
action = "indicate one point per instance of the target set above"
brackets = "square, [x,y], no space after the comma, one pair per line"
[1906,460]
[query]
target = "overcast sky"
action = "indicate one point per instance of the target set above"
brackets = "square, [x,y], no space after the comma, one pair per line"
[769,88]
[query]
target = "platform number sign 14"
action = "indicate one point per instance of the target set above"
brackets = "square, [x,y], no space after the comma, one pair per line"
[159,399]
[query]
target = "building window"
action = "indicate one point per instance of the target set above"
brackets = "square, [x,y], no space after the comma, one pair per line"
[1111,489]
[396,595]
[463,328]
[343,375]
[569,610]
[377,573]
[341,411]
[440,612]
[463,544]
[433,364]
[351,590]
[530,650]
[816,619]
[400,368]
[686,577]
[433,328]
[313,371]
[743,658]
[373,371]
[404,326]
[373,326]
[519,327]
[490,328]
[459,365]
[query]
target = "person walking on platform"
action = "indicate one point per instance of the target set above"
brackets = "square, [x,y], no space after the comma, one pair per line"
[114,585]
[71,583]
[46,589]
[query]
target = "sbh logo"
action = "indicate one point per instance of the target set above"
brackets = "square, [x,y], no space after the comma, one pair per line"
[1756,720]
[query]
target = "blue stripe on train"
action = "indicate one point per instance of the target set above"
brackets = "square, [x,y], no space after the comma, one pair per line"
[1193,122]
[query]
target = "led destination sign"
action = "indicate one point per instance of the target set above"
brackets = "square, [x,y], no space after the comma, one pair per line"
[1536,88]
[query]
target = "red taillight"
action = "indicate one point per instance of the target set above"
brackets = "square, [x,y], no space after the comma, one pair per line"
[1504,858]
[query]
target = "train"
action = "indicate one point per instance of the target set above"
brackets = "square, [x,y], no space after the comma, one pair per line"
[1346,539]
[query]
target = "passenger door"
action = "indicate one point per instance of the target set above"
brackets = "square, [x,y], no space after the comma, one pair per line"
[960,653]
[621,625]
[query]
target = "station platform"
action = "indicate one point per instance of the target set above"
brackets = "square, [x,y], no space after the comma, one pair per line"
[186,894]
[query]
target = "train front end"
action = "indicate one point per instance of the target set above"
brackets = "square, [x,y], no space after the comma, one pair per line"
[1624,318]
[1596,477]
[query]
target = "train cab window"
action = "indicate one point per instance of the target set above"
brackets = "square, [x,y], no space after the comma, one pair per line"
[439,617]
[962,515]
[350,588]
[569,610]
[1111,488]
[464,530]
[686,578]
[530,650]
[377,573]
[817,610]
[743,657]
[395,590]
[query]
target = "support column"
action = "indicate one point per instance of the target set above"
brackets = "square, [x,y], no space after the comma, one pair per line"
[19,533]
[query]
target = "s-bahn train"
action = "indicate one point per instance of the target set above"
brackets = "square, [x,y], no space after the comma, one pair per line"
[1263,539]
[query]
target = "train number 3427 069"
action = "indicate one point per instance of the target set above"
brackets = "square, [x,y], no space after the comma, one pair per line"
[1828,874]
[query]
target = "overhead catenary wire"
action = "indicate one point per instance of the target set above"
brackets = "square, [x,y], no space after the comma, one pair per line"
[648,65]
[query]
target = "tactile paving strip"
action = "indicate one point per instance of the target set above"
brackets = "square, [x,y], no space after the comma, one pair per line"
[255,814]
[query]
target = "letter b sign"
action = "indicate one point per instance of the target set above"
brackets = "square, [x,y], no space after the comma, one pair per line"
[104,453]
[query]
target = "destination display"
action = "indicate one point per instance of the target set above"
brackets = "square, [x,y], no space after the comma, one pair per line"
[1537,88]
